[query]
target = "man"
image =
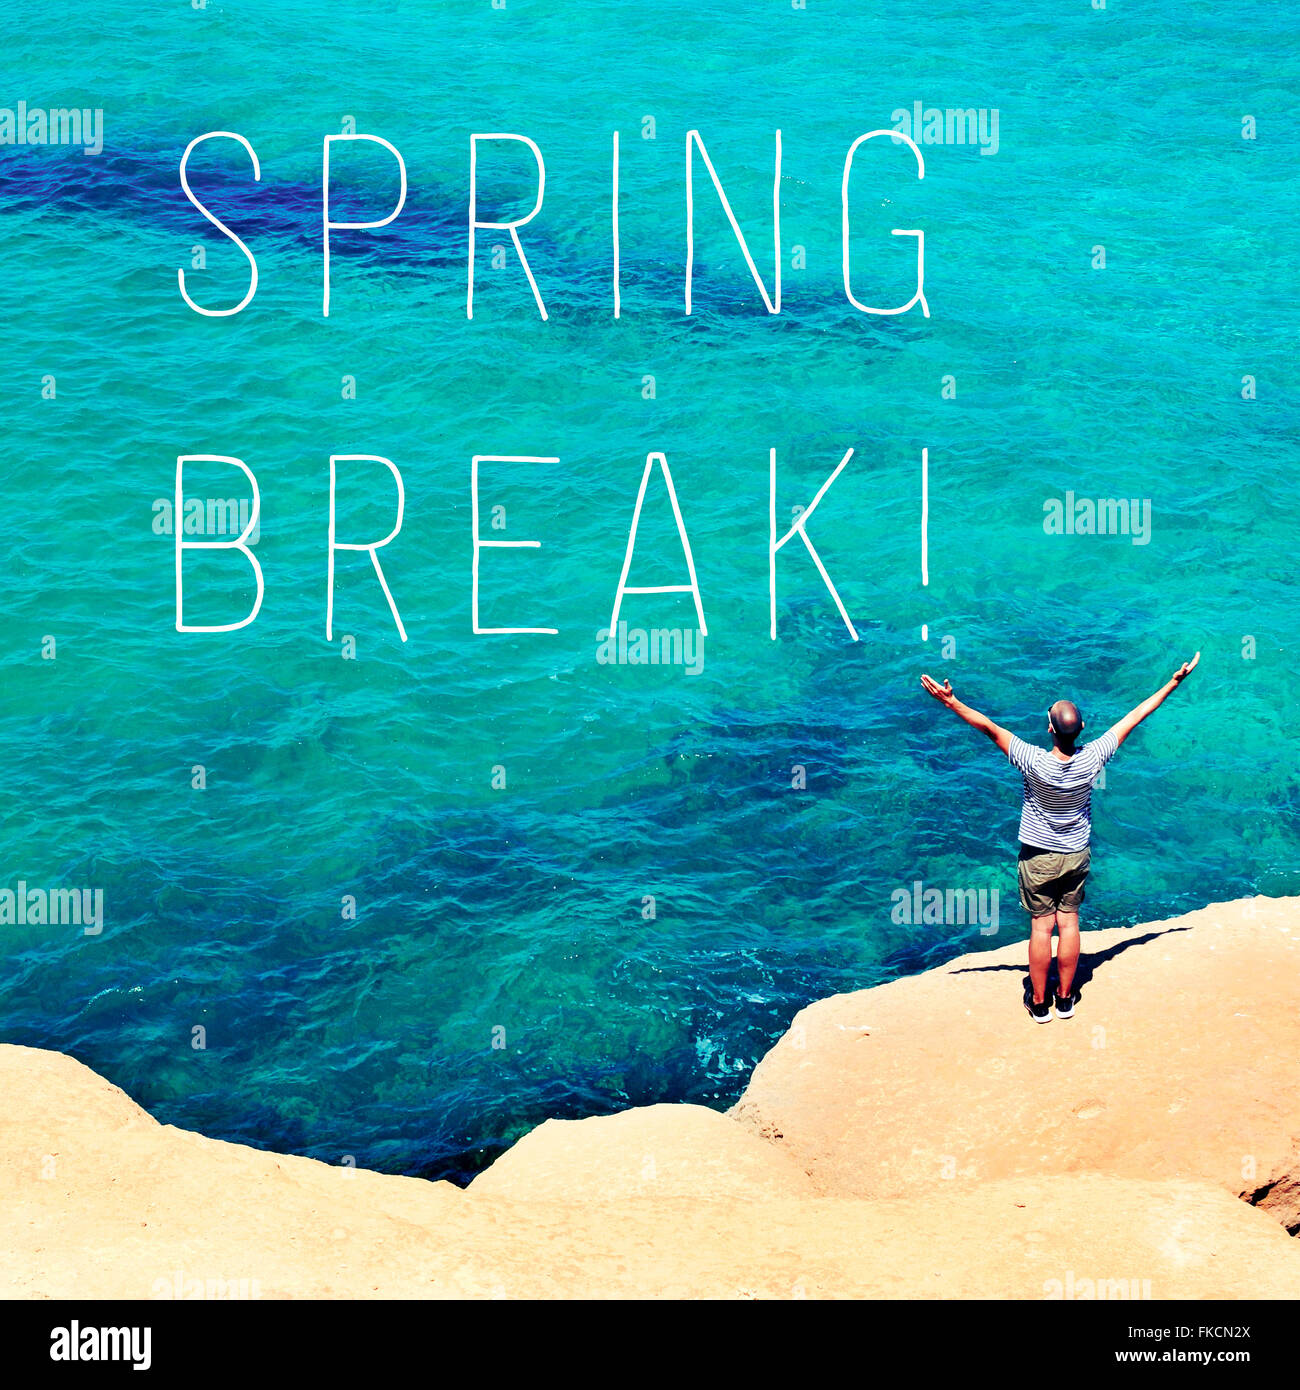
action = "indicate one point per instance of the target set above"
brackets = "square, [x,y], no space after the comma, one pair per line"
[1055,826]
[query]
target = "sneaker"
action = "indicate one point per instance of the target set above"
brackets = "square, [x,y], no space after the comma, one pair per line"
[1040,1013]
[1064,1005]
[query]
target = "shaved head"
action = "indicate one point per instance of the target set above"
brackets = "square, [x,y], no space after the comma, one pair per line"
[1066,721]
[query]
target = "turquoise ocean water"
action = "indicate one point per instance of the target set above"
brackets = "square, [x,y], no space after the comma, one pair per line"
[504,963]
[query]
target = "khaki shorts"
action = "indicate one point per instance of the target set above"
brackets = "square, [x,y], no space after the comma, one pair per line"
[1051,881]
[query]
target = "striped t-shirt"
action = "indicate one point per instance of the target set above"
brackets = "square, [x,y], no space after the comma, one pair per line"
[1057,812]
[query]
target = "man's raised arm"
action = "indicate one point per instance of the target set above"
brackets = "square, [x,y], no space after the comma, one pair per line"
[943,693]
[1153,702]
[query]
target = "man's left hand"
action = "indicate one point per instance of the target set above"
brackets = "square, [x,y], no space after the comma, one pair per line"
[943,693]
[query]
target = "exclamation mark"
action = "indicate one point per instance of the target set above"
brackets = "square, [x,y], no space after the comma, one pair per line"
[925,530]
[618,298]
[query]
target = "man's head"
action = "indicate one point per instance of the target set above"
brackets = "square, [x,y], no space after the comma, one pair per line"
[1065,723]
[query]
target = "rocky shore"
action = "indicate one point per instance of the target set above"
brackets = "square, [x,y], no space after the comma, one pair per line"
[922,1139]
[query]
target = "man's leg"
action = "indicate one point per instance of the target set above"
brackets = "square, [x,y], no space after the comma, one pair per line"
[1067,950]
[1040,952]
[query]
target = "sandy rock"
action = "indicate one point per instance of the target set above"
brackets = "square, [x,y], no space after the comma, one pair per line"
[1080,1237]
[1182,1060]
[654,1151]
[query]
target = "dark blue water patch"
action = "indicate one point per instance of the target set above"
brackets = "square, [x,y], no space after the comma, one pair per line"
[916,958]
[145,189]
[751,752]
[428,238]
[275,992]
[1284,808]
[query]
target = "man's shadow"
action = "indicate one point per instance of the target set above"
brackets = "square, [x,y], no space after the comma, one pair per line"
[1088,963]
